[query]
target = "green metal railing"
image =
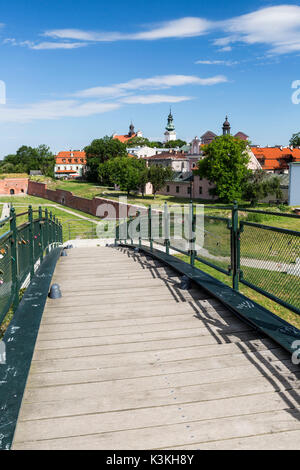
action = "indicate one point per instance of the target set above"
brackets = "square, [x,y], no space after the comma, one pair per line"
[260,256]
[23,246]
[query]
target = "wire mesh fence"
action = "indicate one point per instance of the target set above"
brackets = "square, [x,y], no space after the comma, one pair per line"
[216,248]
[270,262]
[6,286]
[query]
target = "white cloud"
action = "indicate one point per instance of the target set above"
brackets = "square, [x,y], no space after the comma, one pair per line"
[81,35]
[151,99]
[158,82]
[217,62]
[54,110]
[44,45]
[183,27]
[225,49]
[277,26]
[118,94]
[58,45]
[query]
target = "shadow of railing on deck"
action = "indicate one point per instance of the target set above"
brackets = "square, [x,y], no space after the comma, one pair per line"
[283,376]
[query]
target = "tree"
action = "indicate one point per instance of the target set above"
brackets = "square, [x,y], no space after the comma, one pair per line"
[175,143]
[295,140]
[258,186]
[225,164]
[142,142]
[158,177]
[8,168]
[101,150]
[28,158]
[130,174]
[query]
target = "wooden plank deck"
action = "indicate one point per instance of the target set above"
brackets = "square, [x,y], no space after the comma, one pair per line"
[128,360]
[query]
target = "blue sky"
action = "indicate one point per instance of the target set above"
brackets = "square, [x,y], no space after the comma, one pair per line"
[77,70]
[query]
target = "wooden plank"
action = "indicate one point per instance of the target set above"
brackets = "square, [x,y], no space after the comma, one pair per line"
[148,365]
[186,433]
[62,427]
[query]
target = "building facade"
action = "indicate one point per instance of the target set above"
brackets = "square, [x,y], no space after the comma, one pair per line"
[11,186]
[70,164]
[177,161]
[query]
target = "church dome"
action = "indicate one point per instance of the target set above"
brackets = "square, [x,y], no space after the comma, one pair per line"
[226,122]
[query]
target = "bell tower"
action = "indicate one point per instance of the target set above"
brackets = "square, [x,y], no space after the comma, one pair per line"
[131,130]
[226,127]
[170,133]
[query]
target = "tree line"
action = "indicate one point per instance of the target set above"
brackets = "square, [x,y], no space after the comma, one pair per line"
[225,165]
[28,158]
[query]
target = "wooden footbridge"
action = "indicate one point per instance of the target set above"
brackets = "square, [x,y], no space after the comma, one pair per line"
[128,359]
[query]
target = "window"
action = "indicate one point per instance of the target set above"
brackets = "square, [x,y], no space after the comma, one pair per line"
[64,160]
[58,167]
[200,189]
[189,190]
[168,188]
[177,189]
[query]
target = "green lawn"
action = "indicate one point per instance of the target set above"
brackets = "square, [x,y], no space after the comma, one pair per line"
[73,226]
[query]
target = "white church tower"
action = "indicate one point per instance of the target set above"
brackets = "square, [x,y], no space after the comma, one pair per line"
[170,133]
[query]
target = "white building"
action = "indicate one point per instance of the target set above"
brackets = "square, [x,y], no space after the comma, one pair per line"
[70,164]
[145,151]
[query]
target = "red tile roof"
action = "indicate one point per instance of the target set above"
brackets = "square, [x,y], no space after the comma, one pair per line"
[66,155]
[124,138]
[276,158]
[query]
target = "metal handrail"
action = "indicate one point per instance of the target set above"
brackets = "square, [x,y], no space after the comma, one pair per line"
[22,249]
[265,258]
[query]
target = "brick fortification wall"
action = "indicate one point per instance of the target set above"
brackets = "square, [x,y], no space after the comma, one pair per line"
[90,206]
[14,186]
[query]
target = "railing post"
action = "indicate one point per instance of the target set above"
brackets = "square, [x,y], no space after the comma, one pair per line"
[192,234]
[31,242]
[54,229]
[41,232]
[235,247]
[129,230]
[166,228]
[14,259]
[51,229]
[117,232]
[46,232]
[140,228]
[150,227]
